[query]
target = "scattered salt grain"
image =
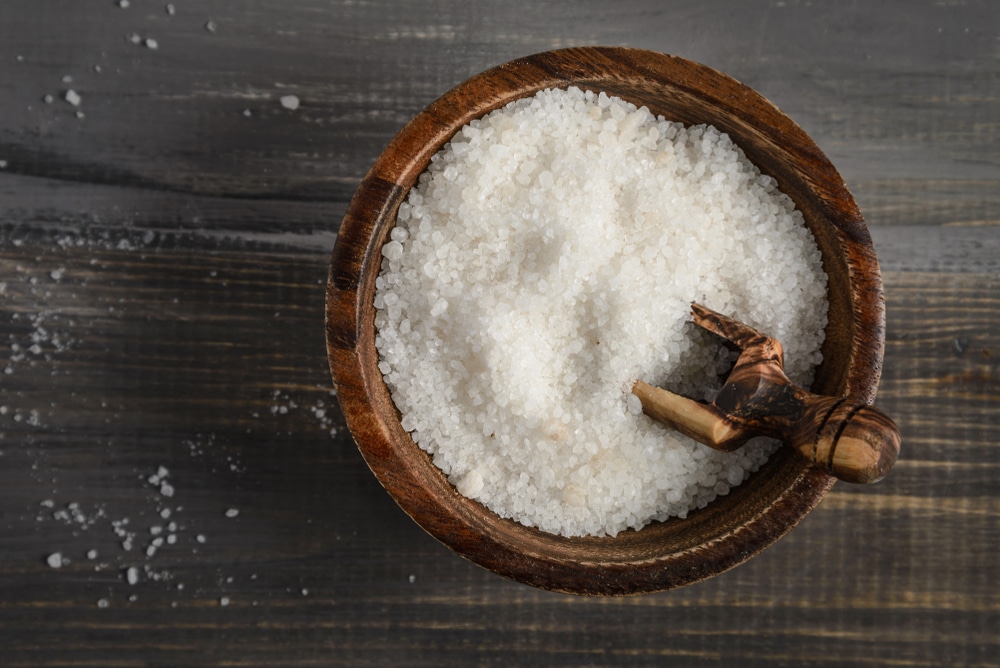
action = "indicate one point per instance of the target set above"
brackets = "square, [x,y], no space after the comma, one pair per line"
[211,26]
[72,97]
[170,9]
[151,43]
[232,512]
[92,554]
[123,4]
[545,261]
[290,102]
[55,560]
[132,575]
[103,603]
[48,99]
[224,601]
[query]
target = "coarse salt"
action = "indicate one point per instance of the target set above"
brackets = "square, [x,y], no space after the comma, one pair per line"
[546,260]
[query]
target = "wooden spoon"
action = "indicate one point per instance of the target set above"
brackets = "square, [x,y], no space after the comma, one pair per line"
[853,441]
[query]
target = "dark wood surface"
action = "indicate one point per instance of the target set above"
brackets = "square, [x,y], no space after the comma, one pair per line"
[166,253]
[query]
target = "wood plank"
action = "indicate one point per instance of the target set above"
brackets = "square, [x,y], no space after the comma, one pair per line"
[916,137]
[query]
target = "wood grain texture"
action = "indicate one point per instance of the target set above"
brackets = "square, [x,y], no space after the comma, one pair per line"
[165,181]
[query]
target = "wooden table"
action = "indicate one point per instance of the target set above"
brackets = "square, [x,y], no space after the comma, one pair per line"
[164,388]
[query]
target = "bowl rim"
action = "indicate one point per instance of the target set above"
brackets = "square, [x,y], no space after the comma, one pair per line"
[596,566]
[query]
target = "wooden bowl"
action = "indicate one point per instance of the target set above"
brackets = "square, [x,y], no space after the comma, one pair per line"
[662,555]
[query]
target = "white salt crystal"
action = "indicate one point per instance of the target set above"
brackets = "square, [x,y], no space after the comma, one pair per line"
[290,102]
[55,560]
[151,43]
[392,250]
[232,512]
[103,603]
[132,575]
[92,554]
[72,97]
[471,484]
[224,601]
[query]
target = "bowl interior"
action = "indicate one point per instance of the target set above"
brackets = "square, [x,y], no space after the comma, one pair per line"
[662,555]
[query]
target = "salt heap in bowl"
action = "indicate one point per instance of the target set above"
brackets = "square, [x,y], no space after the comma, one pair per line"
[547,259]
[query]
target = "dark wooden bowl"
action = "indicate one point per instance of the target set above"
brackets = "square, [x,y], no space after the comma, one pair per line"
[662,555]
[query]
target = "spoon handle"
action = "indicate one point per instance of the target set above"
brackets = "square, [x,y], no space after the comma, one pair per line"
[853,441]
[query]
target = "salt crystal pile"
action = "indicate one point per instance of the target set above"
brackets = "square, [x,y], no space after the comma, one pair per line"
[546,260]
